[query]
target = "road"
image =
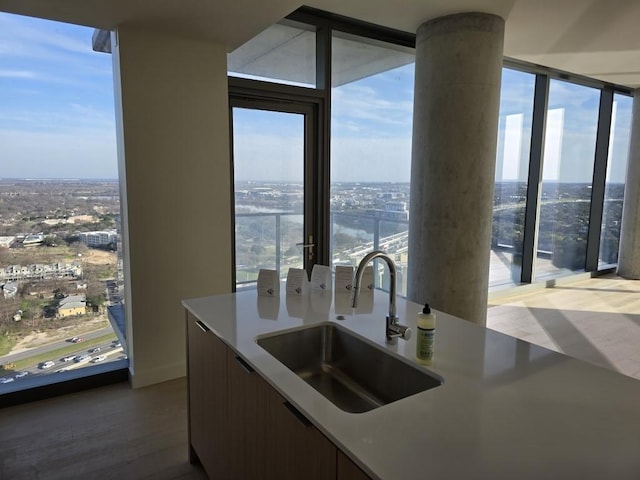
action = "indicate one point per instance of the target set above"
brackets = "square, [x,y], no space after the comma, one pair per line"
[107,349]
[51,346]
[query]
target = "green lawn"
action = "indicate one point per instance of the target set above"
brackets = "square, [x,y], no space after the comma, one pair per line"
[6,344]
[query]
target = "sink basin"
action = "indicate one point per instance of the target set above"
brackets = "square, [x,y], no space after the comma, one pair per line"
[353,374]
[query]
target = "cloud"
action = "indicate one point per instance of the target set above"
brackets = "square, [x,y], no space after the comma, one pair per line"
[43,39]
[56,102]
[379,105]
[51,48]
[69,117]
[24,74]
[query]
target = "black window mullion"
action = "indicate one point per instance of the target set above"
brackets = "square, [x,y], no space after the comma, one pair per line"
[532,209]
[322,183]
[599,179]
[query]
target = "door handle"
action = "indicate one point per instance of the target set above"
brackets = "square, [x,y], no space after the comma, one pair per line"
[296,413]
[202,326]
[309,246]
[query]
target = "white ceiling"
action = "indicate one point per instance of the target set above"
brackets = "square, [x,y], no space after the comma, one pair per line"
[596,38]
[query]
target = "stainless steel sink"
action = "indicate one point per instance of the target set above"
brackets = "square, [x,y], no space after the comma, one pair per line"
[353,374]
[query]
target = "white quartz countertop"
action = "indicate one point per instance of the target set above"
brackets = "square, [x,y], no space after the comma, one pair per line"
[507,409]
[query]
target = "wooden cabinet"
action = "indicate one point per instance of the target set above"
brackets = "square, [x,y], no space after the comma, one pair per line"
[347,470]
[240,428]
[248,398]
[297,449]
[208,404]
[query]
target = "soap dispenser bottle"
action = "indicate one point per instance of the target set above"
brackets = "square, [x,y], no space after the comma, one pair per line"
[426,324]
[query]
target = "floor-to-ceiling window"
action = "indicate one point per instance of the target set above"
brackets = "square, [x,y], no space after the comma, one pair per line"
[567,175]
[512,172]
[371,122]
[59,205]
[614,187]
[547,132]
[371,92]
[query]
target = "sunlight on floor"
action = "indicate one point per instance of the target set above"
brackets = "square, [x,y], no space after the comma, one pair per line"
[596,320]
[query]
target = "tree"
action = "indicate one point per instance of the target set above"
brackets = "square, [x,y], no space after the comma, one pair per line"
[96,300]
[50,241]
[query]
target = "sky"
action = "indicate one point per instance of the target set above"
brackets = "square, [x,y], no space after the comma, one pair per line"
[370,129]
[57,119]
[571,127]
[56,102]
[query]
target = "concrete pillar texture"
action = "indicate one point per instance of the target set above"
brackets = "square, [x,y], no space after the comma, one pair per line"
[456,105]
[629,250]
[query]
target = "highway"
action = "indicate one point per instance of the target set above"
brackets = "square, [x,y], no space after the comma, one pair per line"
[107,349]
[51,346]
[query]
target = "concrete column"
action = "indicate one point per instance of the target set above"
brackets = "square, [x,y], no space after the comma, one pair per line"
[629,250]
[455,122]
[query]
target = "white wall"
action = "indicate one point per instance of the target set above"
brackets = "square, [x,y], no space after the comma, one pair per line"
[173,136]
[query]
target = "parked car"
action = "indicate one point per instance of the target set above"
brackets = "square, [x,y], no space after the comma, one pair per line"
[47,364]
[68,358]
[21,374]
[99,358]
[94,350]
[6,379]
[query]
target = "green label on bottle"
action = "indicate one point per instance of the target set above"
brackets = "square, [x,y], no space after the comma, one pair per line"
[424,348]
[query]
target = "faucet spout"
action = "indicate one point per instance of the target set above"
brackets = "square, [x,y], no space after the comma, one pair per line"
[392,277]
[393,328]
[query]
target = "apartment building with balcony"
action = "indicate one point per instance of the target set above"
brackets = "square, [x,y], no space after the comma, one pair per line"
[99,239]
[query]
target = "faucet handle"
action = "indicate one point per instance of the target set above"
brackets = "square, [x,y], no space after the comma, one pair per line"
[394,330]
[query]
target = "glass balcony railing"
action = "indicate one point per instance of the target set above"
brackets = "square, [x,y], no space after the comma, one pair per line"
[270,240]
[267,240]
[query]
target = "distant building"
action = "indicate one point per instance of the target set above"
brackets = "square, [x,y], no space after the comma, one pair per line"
[392,211]
[33,239]
[6,242]
[72,305]
[38,271]
[10,289]
[99,239]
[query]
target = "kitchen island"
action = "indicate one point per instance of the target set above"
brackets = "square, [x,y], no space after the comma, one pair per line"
[507,409]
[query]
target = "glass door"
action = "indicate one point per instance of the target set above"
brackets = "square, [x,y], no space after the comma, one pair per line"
[272,158]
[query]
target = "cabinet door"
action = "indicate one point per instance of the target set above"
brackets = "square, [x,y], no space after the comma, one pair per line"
[297,449]
[248,412]
[208,421]
[347,470]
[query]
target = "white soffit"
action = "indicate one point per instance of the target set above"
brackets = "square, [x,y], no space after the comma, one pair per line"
[597,38]
[287,52]
[227,22]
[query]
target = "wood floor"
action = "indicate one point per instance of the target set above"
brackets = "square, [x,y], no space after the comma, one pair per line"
[593,319]
[111,432]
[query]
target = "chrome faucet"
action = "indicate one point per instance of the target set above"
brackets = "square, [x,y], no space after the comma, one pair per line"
[393,327]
